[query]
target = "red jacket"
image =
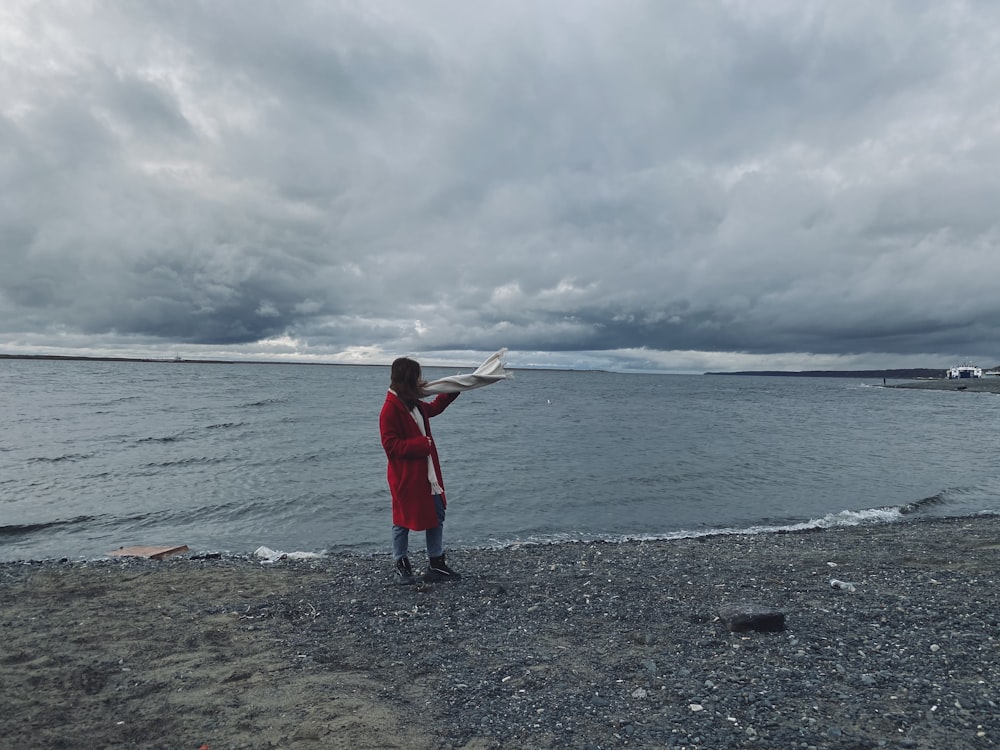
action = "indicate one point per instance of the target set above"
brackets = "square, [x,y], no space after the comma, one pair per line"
[407,450]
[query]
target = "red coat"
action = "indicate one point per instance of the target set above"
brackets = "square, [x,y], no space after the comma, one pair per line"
[407,450]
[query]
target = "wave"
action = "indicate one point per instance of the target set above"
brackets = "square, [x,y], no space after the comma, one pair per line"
[98,406]
[951,497]
[164,439]
[190,434]
[59,459]
[190,461]
[845,518]
[264,509]
[263,402]
[24,529]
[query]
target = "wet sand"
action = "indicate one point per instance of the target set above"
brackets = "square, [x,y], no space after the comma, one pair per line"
[573,645]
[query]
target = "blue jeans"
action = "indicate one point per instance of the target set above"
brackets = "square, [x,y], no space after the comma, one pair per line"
[435,536]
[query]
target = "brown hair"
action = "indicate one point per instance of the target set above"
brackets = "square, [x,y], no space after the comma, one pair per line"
[405,380]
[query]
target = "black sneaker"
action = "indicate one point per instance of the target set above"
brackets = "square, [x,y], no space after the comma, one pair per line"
[439,571]
[404,573]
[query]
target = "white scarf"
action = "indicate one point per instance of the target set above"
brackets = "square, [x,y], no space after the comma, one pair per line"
[431,474]
[489,372]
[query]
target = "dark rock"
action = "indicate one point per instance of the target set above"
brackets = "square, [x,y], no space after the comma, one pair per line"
[742,617]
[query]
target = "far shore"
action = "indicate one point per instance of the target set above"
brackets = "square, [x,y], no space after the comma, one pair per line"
[989,384]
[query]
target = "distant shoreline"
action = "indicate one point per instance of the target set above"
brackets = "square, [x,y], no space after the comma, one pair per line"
[184,361]
[156,360]
[966,385]
[919,373]
[930,378]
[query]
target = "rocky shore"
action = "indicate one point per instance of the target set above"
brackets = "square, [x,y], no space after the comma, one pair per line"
[562,646]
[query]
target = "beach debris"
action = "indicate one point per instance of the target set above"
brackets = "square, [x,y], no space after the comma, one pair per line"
[742,617]
[269,555]
[152,553]
[843,585]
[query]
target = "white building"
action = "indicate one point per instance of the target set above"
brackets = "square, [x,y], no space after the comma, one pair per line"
[965,371]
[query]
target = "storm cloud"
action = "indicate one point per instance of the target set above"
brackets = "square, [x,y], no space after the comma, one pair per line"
[636,185]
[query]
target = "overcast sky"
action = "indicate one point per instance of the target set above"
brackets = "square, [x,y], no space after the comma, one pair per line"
[683,186]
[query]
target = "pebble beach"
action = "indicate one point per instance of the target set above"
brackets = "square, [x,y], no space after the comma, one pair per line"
[891,639]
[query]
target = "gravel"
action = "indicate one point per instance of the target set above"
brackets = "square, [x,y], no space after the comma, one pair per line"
[621,645]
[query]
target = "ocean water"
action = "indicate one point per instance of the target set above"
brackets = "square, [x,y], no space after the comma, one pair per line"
[231,457]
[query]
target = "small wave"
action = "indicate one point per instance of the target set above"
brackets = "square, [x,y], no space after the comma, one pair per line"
[263,402]
[121,400]
[190,461]
[927,502]
[97,475]
[866,517]
[870,516]
[844,518]
[59,459]
[164,439]
[23,529]
[207,514]
[308,458]
[956,500]
[110,402]
[225,425]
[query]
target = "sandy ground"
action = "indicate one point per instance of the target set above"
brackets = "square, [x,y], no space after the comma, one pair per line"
[113,656]
[586,646]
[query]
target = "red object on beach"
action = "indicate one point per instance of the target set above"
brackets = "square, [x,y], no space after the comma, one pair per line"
[407,449]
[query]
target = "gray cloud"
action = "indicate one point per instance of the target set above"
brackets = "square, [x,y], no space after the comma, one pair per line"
[786,180]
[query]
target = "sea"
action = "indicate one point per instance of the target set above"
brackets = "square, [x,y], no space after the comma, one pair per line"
[236,458]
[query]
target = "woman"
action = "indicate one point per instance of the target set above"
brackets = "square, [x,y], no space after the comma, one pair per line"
[414,472]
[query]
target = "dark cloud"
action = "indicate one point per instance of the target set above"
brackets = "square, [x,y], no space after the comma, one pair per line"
[588,182]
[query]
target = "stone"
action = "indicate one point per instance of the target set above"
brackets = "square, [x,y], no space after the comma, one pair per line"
[742,617]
